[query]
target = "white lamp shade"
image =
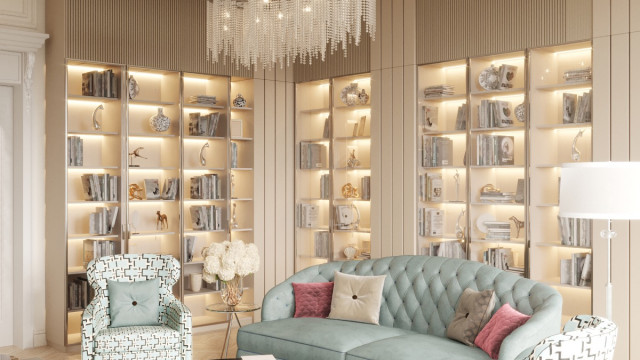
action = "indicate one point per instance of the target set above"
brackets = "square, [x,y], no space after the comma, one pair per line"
[600,190]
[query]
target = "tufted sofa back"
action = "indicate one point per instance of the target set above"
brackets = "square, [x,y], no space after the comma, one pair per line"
[421,292]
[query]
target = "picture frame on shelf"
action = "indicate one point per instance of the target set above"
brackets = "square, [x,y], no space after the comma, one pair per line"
[152,189]
[362,124]
[236,128]
[430,117]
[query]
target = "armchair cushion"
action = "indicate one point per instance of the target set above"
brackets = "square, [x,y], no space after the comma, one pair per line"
[503,323]
[131,339]
[134,303]
[313,299]
[472,314]
[357,298]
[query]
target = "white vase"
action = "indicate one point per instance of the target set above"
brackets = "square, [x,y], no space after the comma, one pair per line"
[196,282]
[160,122]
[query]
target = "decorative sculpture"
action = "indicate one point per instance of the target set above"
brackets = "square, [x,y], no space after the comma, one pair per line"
[96,124]
[490,188]
[203,160]
[162,223]
[350,191]
[135,192]
[234,219]
[233,186]
[352,162]
[135,154]
[575,153]
[459,228]
[518,223]
[456,178]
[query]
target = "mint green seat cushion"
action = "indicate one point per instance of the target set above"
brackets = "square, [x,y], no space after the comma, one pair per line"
[134,303]
[417,347]
[311,338]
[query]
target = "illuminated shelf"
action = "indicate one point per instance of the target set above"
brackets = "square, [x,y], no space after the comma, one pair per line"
[351,169]
[203,200]
[234,108]
[241,139]
[151,102]
[204,169]
[200,137]
[92,132]
[151,233]
[353,107]
[318,140]
[241,199]
[485,241]
[497,166]
[91,202]
[313,199]
[443,98]
[91,98]
[191,231]
[565,86]
[202,106]
[89,167]
[146,201]
[499,93]
[241,169]
[443,167]
[315,111]
[364,231]
[559,245]
[480,203]
[93,236]
[242,230]
[163,168]
[498,129]
[350,138]
[315,228]
[151,135]
[444,238]
[547,205]
[564,126]
[76,270]
[446,132]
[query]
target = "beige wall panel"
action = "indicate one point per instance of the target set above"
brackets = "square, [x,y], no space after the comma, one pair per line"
[398,32]
[385,22]
[634,15]
[397,119]
[634,155]
[386,143]
[259,186]
[376,164]
[269,184]
[290,176]
[409,156]
[376,46]
[620,97]
[602,20]
[619,17]
[270,74]
[577,26]
[336,64]
[280,164]
[409,21]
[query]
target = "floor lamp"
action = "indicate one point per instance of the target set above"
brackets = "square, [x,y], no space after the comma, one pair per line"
[601,190]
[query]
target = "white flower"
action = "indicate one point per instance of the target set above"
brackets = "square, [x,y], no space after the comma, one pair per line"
[228,259]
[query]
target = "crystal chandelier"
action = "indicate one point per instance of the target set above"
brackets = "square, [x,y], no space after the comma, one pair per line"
[270,31]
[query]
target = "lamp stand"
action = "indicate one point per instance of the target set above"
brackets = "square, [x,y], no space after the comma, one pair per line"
[609,234]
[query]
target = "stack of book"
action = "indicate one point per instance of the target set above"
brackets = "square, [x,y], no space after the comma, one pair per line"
[100,83]
[80,294]
[430,222]
[576,75]
[308,215]
[438,91]
[234,155]
[575,232]
[462,116]
[365,188]
[498,230]
[203,125]
[206,187]
[103,220]
[322,248]
[492,150]
[202,100]
[447,248]
[502,258]
[436,151]
[430,188]
[313,156]
[94,249]
[576,109]
[494,113]
[100,187]
[170,188]
[206,217]
[74,151]
[325,186]
[577,270]
[497,197]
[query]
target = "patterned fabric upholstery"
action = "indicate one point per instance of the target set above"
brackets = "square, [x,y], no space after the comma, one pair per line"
[172,340]
[584,337]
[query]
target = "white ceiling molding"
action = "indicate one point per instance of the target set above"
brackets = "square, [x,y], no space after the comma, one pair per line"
[21,40]
[18,13]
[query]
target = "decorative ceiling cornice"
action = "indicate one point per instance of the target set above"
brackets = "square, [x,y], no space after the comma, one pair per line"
[21,40]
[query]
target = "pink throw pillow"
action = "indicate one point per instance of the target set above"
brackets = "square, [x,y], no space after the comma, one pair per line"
[503,322]
[313,299]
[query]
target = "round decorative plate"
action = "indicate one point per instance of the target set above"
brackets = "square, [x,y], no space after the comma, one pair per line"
[521,113]
[480,222]
[349,94]
[133,88]
[489,78]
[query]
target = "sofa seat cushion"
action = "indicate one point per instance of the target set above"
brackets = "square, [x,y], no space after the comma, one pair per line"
[310,338]
[416,347]
[136,338]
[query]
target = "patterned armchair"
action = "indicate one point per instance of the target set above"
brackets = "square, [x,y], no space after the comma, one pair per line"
[584,337]
[170,340]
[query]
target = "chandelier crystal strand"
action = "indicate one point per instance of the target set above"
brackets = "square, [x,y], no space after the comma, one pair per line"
[285,31]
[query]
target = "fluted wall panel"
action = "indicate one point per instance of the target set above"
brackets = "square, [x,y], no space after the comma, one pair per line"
[454,29]
[166,34]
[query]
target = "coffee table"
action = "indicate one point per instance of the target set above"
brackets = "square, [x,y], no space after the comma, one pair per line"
[231,312]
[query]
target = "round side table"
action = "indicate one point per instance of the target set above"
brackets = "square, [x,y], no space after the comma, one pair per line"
[231,312]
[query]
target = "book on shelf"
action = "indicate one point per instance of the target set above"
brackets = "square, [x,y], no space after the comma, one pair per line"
[436,151]
[430,222]
[206,217]
[576,109]
[575,232]
[577,270]
[94,249]
[203,125]
[313,156]
[429,118]
[326,131]
[497,197]
[494,114]
[322,244]
[431,187]
[519,197]
[437,91]
[502,258]
[462,116]
[308,215]
[577,75]
[498,230]
[447,248]
[79,293]
[365,187]
[494,150]
[206,187]
[100,187]
[103,221]
[170,188]
[361,125]
[234,155]
[100,83]
[75,155]
[325,186]
[202,99]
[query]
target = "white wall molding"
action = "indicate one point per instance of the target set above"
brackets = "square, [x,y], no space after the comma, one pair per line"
[21,40]
[19,13]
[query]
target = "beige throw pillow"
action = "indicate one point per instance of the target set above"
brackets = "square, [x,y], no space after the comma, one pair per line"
[472,314]
[357,298]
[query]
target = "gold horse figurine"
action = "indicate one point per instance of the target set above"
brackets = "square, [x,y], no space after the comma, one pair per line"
[162,223]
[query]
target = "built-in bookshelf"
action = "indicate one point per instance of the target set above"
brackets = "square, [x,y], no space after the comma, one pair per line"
[560,132]
[131,182]
[333,170]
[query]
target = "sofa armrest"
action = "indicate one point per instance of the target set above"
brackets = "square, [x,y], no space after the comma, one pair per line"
[544,322]
[94,319]
[179,319]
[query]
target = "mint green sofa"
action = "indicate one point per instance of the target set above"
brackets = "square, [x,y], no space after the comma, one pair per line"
[419,300]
